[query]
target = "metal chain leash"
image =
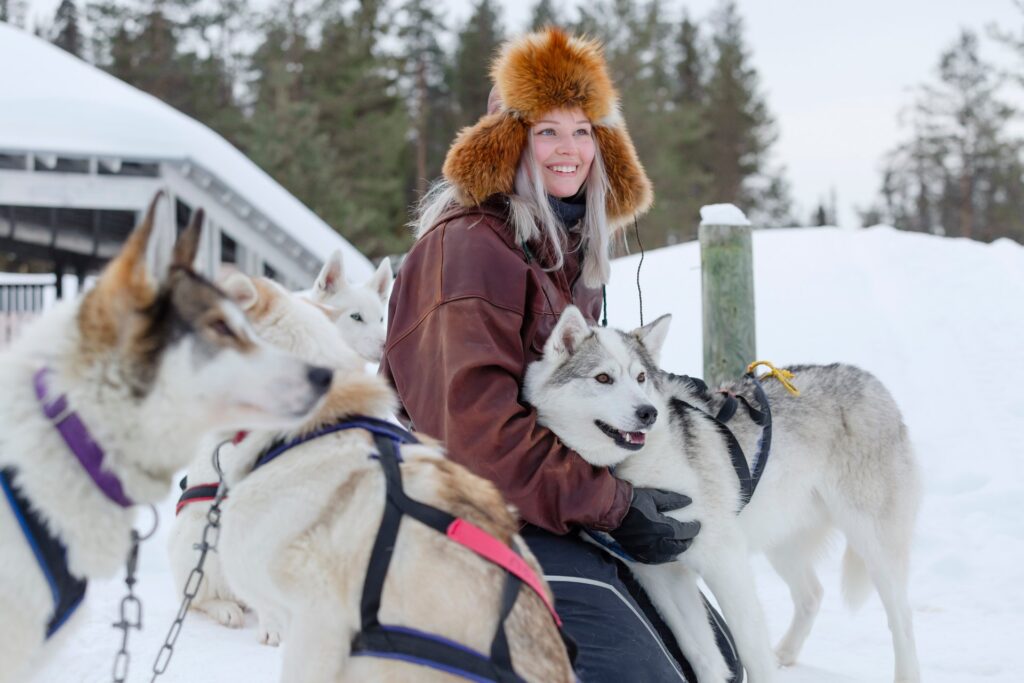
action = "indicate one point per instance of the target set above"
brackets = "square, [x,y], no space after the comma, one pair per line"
[131,606]
[211,535]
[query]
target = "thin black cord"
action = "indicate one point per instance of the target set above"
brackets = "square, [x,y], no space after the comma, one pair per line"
[604,306]
[639,292]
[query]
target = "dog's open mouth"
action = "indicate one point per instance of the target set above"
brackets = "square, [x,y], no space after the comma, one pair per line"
[632,441]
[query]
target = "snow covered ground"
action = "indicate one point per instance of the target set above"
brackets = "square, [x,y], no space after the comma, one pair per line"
[940,321]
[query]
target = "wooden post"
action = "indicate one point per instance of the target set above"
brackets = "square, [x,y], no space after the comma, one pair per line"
[727,288]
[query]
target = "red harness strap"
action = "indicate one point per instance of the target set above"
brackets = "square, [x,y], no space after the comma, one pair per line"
[192,495]
[490,548]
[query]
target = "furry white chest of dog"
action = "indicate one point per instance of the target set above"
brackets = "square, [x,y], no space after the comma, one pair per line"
[140,365]
[840,460]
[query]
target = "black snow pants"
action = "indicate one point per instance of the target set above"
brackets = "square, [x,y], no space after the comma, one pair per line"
[621,638]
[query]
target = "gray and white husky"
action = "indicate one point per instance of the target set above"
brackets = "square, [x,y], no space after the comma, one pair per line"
[840,459]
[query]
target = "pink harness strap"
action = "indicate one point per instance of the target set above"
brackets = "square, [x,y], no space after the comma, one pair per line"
[490,548]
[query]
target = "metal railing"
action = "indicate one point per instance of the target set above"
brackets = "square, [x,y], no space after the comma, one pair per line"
[22,299]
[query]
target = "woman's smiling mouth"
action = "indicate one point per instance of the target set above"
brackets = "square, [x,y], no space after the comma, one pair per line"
[564,169]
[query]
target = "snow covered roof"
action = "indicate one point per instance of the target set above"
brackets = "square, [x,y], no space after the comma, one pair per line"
[54,103]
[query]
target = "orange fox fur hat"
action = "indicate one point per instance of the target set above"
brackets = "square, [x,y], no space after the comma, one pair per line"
[533,75]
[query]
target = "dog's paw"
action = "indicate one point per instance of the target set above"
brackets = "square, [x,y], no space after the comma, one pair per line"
[226,612]
[270,637]
[270,630]
[785,656]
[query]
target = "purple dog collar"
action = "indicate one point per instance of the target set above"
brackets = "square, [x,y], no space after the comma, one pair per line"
[78,439]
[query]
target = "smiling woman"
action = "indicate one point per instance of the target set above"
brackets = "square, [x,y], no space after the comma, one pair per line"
[517,231]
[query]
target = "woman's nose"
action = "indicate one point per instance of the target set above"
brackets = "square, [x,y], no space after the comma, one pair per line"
[566,146]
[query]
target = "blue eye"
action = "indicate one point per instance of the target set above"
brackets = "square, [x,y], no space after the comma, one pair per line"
[357,317]
[546,131]
[583,131]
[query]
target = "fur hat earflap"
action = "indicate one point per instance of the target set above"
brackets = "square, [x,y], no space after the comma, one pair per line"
[533,75]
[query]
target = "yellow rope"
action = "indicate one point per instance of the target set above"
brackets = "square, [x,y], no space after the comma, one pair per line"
[778,373]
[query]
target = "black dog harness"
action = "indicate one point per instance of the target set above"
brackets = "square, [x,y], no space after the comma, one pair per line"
[763,418]
[67,589]
[408,644]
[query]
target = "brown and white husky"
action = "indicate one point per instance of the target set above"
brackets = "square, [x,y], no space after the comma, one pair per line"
[144,364]
[298,533]
[358,314]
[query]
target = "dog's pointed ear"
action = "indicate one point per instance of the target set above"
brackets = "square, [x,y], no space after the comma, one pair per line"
[127,285]
[652,336]
[187,246]
[331,279]
[571,329]
[137,266]
[382,279]
[242,290]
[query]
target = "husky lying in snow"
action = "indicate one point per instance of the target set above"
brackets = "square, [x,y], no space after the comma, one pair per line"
[840,458]
[358,314]
[147,361]
[298,533]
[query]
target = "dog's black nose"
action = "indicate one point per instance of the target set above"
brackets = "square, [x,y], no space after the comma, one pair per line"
[647,415]
[319,377]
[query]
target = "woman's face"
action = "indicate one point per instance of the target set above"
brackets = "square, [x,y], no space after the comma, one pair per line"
[563,146]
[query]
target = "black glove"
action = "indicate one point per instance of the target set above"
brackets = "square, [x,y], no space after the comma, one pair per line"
[649,536]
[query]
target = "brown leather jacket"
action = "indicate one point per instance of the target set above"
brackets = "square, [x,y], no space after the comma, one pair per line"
[469,310]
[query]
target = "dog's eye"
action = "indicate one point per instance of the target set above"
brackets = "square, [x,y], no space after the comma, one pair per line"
[221,328]
[604,378]
[358,317]
[642,377]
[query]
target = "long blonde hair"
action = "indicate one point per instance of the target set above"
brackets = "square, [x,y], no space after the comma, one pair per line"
[532,218]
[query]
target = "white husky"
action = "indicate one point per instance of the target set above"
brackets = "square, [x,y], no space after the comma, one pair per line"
[140,368]
[840,458]
[358,314]
[360,310]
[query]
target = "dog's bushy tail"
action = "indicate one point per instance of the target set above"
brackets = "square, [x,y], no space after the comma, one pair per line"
[856,581]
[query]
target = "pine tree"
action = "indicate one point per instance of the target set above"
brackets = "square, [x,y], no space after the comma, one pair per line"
[689,131]
[284,137]
[425,66]
[545,14]
[144,46]
[66,34]
[478,42]
[960,171]
[692,64]
[355,86]
[741,130]
[4,12]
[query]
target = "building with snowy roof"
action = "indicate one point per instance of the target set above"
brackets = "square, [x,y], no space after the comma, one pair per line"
[82,154]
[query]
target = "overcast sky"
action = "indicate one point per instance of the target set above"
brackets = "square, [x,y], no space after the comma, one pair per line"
[835,75]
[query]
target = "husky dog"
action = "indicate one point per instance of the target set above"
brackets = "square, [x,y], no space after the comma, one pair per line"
[298,535]
[840,459]
[141,366]
[360,311]
[283,319]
